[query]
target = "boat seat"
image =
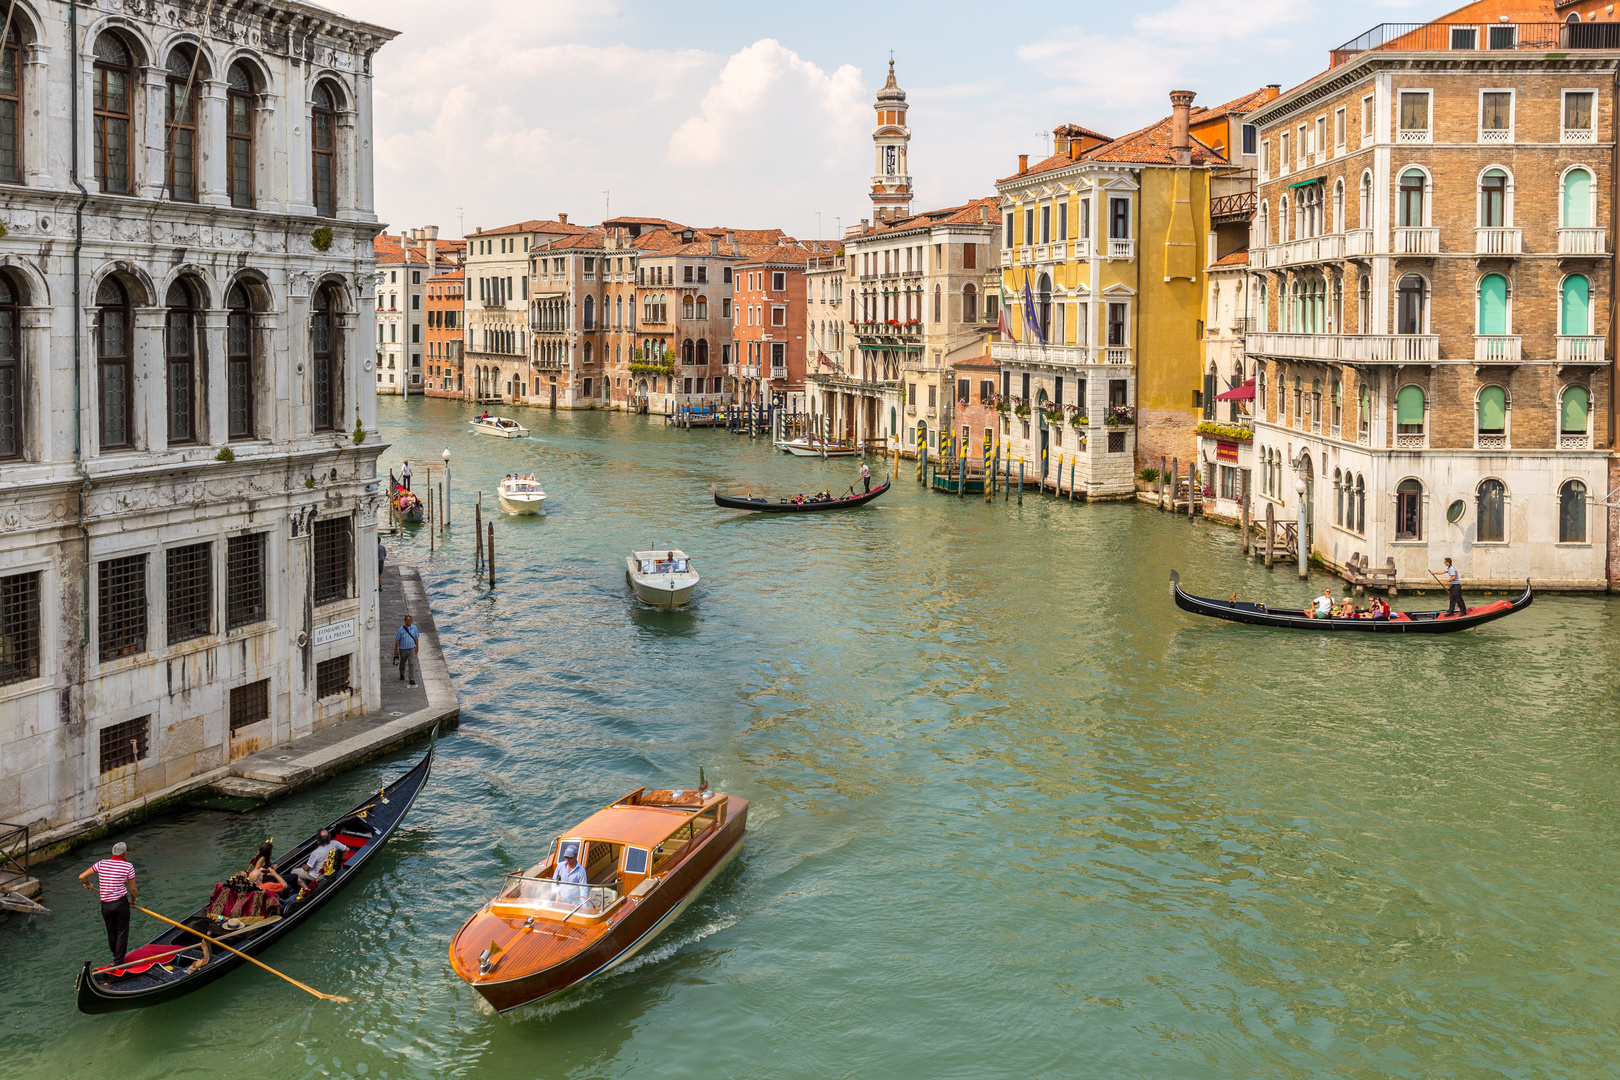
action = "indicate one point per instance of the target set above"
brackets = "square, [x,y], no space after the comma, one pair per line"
[353,843]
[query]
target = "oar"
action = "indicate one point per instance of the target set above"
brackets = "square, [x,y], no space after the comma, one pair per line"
[158,958]
[249,959]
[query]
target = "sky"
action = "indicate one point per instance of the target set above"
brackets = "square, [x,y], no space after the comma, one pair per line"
[760,115]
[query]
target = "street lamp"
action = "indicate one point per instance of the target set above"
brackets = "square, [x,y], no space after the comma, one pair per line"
[1300,541]
[447,485]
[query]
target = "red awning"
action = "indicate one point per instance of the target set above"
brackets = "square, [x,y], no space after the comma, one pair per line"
[1238,393]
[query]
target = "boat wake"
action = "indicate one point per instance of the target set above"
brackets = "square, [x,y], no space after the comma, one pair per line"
[663,951]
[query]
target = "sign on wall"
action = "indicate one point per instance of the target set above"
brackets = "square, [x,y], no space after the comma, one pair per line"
[325,635]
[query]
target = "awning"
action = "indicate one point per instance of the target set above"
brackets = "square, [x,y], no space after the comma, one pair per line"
[1312,180]
[1238,393]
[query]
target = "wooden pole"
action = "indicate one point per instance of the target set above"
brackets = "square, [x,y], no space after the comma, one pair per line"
[430,516]
[478,533]
[1073,464]
[492,554]
[444,519]
[1271,530]
[249,959]
[1192,487]
[1161,481]
[1020,479]
[1244,512]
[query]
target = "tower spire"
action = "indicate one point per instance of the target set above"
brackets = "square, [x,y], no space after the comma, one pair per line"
[891,179]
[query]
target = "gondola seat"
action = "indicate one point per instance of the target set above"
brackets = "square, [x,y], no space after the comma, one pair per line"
[353,843]
[132,960]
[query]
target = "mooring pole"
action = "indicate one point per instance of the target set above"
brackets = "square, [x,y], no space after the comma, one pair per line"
[1271,531]
[1020,479]
[478,533]
[492,554]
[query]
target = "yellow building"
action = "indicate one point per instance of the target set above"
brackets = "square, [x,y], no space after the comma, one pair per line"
[1104,249]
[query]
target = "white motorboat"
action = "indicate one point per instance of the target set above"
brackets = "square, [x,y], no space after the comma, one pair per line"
[521,495]
[499,426]
[815,448]
[664,578]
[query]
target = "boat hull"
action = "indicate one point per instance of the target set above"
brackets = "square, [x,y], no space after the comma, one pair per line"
[500,432]
[765,506]
[1400,622]
[650,592]
[514,505]
[804,450]
[634,931]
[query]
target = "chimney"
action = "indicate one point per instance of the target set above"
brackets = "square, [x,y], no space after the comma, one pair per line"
[714,245]
[731,238]
[1180,119]
[1060,140]
[984,214]
[1273,91]
[431,234]
[562,218]
[1023,164]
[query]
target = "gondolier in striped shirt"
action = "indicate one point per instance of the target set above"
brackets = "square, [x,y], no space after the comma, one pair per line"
[115,877]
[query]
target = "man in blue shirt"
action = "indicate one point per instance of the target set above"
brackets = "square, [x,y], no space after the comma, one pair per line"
[1454,588]
[405,640]
[569,869]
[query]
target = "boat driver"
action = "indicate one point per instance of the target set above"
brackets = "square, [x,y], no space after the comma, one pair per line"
[569,869]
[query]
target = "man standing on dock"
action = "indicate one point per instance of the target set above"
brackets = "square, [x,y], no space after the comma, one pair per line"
[866,477]
[405,640]
[115,878]
[1454,587]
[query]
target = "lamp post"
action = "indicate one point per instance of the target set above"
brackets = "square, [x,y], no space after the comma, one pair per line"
[447,485]
[1300,542]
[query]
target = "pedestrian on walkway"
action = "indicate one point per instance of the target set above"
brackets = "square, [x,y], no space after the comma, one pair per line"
[405,476]
[1454,587]
[866,477]
[382,557]
[405,642]
[115,877]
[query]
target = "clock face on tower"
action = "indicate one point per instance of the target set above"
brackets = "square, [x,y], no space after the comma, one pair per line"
[890,160]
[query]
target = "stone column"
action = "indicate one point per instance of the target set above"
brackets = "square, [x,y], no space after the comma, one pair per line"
[361,132]
[293,376]
[151,385]
[365,355]
[35,130]
[211,119]
[268,196]
[347,165]
[357,402]
[216,389]
[271,417]
[49,398]
[148,142]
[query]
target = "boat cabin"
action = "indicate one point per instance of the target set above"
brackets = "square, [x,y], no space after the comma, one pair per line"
[625,849]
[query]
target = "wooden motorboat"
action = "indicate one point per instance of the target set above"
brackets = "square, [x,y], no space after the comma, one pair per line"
[663,578]
[156,972]
[815,448]
[645,858]
[499,426]
[407,506]
[1398,622]
[520,495]
[786,506]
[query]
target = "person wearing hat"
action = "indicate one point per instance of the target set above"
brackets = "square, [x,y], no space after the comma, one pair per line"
[115,878]
[569,869]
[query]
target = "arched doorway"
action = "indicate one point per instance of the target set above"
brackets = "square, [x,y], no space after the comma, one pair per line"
[1040,417]
[1308,474]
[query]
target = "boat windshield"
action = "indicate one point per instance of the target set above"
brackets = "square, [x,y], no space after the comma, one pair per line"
[549,894]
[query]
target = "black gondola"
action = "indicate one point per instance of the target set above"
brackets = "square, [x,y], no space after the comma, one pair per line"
[784,506]
[1399,622]
[363,830]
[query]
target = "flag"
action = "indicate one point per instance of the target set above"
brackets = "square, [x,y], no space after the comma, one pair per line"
[1031,319]
[1003,327]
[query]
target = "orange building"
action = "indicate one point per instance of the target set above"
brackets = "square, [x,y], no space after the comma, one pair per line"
[768,329]
[446,323]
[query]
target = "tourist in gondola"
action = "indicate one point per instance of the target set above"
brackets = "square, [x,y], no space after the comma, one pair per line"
[1322,606]
[323,861]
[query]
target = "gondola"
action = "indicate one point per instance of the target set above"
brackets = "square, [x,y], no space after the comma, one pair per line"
[364,830]
[406,504]
[1398,622]
[784,506]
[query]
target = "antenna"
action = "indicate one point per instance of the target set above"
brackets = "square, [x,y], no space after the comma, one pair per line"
[607,205]
[461,218]
[1041,135]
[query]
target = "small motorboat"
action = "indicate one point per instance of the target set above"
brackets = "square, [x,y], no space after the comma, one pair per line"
[644,858]
[815,448]
[499,426]
[789,506]
[1397,622]
[521,495]
[162,970]
[664,578]
[407,506]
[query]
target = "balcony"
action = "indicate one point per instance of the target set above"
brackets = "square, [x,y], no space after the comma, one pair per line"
[1348,348]
[1498,241]
[1479,37]
[1043,252]
[1026,256]
[1497,348]
[1121,249]
[1580,241]
[1311,249]
[1574,442]
[1411,240]
[1577,135]
[1358,242]
[1080,249]
[1006,257]
[1496,136]
[1232,208]
[1071,356]
[1580,349]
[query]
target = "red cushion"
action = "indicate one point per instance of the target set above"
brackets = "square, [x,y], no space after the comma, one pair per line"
[353,843]
[132,964]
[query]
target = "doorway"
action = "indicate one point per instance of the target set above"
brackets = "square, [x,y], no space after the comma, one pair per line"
[554,391]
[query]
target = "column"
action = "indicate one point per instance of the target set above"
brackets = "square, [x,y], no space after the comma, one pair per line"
[359,384]
[216,388]
[151,383]
[49,397]
[148,155]
[35,131]
[211,189]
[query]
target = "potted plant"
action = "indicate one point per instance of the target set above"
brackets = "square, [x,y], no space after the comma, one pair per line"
[1022,408]
[1078,417]
[1120,414]
[1053,416]
[1003,406]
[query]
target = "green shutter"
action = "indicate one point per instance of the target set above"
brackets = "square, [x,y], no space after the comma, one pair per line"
[1493,305]
[1578,199]
[1492,409]
[1577,303]
[1409,406]
[1574,417]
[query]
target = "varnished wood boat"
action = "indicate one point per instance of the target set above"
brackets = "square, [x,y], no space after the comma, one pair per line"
[646,858]
[1398,622]
[786,506]
[155,973]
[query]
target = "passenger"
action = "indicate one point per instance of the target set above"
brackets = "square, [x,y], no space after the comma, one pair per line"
[322,862]
[569,869]
[1324,604]
[269,882]
[265,857]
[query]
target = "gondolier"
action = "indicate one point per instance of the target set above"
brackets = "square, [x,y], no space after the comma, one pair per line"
[405,476]
[1453,588]
[115,879]
[866,478]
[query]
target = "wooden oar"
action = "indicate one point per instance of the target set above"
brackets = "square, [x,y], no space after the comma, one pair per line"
[249,959]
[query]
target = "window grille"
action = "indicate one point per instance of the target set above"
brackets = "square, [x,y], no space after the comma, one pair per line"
[121,606]
[1116,442]
[190,592]
[332,559]
[244,580]
[19,628]
[124,744]
[332,676]
[250,704]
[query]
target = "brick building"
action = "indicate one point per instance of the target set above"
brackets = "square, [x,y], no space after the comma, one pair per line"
[770,325]
[404,264]
[446,323]
[1433,285]
[977,381]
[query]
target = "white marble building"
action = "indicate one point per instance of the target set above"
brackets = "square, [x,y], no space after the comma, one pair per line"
[188,439]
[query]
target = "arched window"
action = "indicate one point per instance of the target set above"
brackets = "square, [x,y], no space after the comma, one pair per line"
[970,303]
[1490,512]
[12,412]
[686,308]
[323,147]
[1409,305]
[239,120]
[115,381]
[1493,199]
[1409,411]
[1282,220]
[239,376]
[1492,411]
[588,352]
[1577,202]
[328,367]
[1361,504]
[937,305]
[590,313]
[112,100]
[180,362]
[1338,498]
[1572,513]
[1338,404]
[1408,510]
[180,124]
[1264,224]
[1409,199]
[1573,411]
[1575,306]
[703,352]
[1364,412]
[686,351]
[1364,219]
[1493,305]
[1363,303]
[702,308]
[11,108]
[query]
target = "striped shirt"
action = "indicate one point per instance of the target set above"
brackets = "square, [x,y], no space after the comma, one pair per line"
[113,876]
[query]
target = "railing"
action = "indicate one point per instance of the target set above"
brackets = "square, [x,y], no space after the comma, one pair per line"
[1043,253]
[1358,242]
[1328,246]
[1116,354]
[1574,442]
[1239,207]
[1478,37]
[1026,256]
[1412,240]
[1495,135]
[1023,353]
[1581,241]
[1412,442]
[1577,135]
[1080,249]
[1498,241]
[1006,257]
[1580,349]
[1121,249]
[1356,348]
[550,894]
[14,848]
[1482,441]
[1496,348]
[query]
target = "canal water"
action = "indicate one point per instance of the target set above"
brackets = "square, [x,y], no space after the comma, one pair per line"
[1013,814]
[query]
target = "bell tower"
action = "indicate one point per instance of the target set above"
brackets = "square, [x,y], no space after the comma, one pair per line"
[891,181]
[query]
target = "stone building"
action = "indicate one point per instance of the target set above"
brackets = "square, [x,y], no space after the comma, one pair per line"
[1433,284]
[188,438]
[824,277]
[404,265]
[497,354]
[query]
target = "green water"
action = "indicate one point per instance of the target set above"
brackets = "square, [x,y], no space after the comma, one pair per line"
[1013,814]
